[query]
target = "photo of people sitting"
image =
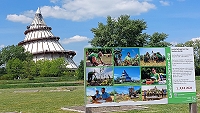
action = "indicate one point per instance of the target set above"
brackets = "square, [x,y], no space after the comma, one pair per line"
[101,97]
[153,75]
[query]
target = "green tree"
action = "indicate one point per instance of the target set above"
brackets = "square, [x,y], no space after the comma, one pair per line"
[2,71]
[157,40]
[13,52]
[58,66]
[124,32]
[51,68]
[14,68]
[45,66]
[196,46]
[30,69]
[80,71]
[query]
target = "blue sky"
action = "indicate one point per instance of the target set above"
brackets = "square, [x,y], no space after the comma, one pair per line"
[143,51]
[160,87]
[72,20]
[133,72]
[106,71]
[124,89]
[133,52]
[90,91]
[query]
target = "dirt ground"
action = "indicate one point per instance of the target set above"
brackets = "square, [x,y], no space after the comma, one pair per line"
[107,109]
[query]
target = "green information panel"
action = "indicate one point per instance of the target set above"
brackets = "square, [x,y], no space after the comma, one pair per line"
[135,76]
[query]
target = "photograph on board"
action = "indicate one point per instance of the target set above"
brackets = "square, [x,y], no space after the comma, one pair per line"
[152,57]
[98,57]
[156,93]
[153,75]
[99,94]
[127,93]
[124,76]
[99,76]
[126,57]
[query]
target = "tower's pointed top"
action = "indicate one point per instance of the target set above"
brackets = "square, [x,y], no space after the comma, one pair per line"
[38,11]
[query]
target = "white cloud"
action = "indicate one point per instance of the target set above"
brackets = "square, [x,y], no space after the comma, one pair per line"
[194,39]
[173,43]
[87,9]
[19,18]
[164,3]
[79,10]
[2,46]
[54,1]
[76,38]
[88,46]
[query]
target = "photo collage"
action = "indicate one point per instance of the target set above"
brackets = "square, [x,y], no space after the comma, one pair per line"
[125,74]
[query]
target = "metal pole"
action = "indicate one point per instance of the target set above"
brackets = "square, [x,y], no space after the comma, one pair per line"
[192,107]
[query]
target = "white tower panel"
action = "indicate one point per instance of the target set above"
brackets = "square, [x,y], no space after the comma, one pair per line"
[40,41]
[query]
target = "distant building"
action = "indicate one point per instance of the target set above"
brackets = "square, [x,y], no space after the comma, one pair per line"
[125,77]
[41,42]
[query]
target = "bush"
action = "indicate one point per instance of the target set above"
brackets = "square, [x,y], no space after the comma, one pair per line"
[30,77]
[7,77]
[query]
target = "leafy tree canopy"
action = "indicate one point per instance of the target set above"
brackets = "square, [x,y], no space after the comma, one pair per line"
[80,70]
[13,52]
[124,32]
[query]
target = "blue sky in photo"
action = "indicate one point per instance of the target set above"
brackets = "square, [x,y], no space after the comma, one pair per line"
[124,89]
[160,87]
[133,52]
[143,51]
[133,72]
[106,71]
[90,91]
[72,20]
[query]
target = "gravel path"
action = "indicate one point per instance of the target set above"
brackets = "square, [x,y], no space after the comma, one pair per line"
[108,109]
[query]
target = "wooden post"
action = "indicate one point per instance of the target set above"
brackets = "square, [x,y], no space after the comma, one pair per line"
[192,107]
[88,110]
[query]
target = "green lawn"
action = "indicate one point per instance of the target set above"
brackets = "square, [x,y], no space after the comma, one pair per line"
[42,100]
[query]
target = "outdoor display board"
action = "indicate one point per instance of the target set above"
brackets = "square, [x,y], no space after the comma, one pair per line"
[135,76]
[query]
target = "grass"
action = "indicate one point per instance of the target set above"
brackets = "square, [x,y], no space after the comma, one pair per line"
[44,101]
[142,63]
[32,85]
[40,82]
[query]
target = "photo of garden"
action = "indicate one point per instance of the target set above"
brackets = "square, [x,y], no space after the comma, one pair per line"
[98,57]
[152,57]
[99,76]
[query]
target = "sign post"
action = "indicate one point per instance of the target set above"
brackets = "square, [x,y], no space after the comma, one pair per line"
[136,76]
[192,107]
